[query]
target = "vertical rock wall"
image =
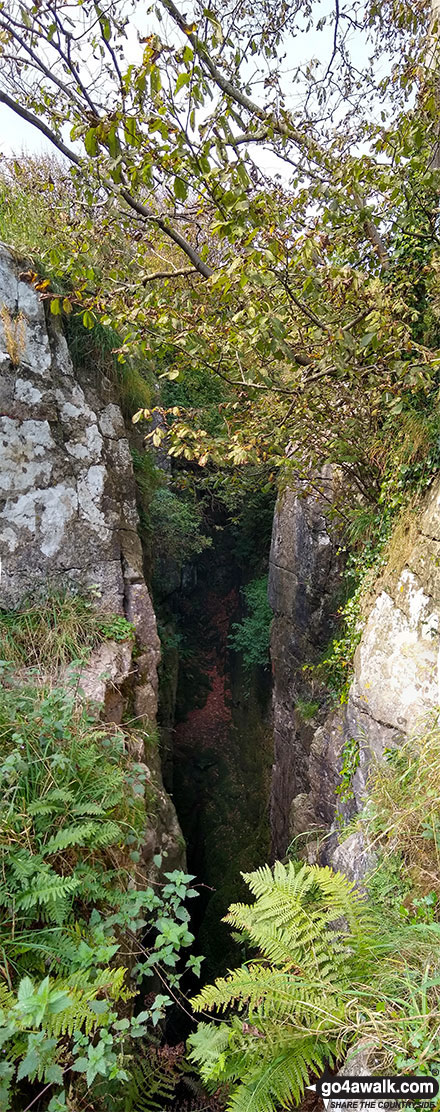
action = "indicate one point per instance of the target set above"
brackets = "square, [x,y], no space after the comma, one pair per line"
[396,685]
[67,499]
[305,572]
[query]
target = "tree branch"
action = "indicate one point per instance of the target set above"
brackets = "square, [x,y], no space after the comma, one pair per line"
[304,308]
[36,122]
[202,267]
[372,233]
[286,130]
[167,274]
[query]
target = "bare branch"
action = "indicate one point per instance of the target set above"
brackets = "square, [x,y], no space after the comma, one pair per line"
[167,274]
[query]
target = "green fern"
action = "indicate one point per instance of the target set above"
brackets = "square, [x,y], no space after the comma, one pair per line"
[290,1003]
[153,1082]
[71,827]
[328,973]
[49,889]
[83,834]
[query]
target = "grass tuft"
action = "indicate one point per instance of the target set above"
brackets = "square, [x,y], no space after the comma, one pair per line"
[402,816]
[56,630]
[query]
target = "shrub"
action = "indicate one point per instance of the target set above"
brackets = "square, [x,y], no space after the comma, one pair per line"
[177,527]
[75,903]
[251,636]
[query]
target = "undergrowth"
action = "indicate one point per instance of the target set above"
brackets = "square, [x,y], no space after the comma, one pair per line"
[251,636]
[55,629]
[330,971]
[81,927]
[76,905]
[401,819]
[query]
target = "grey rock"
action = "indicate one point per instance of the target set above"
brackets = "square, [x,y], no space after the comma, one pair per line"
[362,1061]
[354,858]
[304,573]
[68,516]
[395,691]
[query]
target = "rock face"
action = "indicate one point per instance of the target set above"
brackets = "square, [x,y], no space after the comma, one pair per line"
[396,685]
[304,575]
[68,501]
[67,488]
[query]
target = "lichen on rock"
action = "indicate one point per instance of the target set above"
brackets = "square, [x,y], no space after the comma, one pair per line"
[68,515]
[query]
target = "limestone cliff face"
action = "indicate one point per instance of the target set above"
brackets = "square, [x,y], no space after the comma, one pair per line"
[396,683]
[304,575]
[68,507]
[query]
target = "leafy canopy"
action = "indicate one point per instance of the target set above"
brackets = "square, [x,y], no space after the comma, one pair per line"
[311,295]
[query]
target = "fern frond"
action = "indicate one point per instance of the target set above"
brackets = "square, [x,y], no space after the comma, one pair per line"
[280,1082]
[274,994]
[83,834]
[292,1004]
[88,809]
[207,1045]
[48,890]
[153,1081]
[7,998]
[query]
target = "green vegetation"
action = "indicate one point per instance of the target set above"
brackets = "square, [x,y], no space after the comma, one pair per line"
[350,762]
[177,527]
[307,710]
[402,814]
[55,629]
[276,324]
[81,927]
[315,988]
[95,353]
[277,313]
[75,903]
[251,636]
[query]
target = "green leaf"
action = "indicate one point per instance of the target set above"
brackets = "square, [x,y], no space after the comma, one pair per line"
[155,80]
[180,189]
[91,142]
[80,1065]
[131,130]
[243,175]
[113,142]
[183,79]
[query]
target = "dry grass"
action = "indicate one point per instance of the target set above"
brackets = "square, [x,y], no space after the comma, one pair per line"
[15,334]
[403,811]
[53,631]
[395,556]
